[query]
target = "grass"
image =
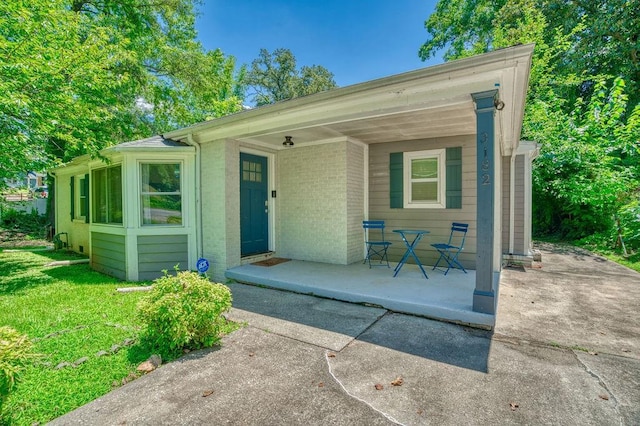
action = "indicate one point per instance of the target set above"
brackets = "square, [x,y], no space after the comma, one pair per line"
[631,261]
[601,247]
[70,312]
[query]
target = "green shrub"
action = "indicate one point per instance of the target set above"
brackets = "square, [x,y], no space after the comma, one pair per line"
[183,312]
[630,222]
[15,353]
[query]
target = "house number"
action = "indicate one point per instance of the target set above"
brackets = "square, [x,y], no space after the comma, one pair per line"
[485,178]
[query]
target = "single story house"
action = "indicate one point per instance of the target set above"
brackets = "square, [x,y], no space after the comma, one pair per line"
[297,178]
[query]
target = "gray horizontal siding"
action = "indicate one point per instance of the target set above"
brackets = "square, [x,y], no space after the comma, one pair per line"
[108,254]
[436,221]
[161,252]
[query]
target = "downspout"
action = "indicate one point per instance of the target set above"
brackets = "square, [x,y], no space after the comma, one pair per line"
[199,234]
[512,200]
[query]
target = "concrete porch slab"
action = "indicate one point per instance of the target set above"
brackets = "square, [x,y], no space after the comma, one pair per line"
[448,298]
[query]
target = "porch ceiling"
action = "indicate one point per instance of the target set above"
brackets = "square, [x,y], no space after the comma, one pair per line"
[435,122]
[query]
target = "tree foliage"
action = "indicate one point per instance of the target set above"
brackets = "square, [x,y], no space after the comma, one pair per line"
[79,75]
[582,102]
[273,77]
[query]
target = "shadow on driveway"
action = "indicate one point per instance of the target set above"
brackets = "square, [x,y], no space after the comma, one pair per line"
[334,325]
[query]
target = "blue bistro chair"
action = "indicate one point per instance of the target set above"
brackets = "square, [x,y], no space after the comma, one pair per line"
[450,250]
[377,246]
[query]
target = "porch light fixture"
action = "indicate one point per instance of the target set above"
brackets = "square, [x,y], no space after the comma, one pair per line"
[287,141]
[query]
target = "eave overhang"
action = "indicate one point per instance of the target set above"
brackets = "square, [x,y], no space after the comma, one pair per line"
[427,103]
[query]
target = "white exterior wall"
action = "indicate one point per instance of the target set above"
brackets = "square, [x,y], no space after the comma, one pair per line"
[356,166]
[77,230]
[220,183]
[313,214]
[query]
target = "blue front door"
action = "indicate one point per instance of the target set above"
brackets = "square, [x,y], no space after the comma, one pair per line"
[254,224]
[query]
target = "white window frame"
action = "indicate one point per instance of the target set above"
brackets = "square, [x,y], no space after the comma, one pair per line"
[79,200]
[440,155]
[95,216]
[143,193]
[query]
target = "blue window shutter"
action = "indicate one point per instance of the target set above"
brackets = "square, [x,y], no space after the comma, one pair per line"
[396,196]
[73,198]
[86,198]
[454,178]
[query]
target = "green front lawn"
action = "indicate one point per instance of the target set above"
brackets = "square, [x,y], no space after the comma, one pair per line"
[71,313]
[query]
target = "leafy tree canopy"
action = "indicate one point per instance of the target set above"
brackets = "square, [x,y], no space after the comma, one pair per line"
[582,102]
[273,77]
[79,75]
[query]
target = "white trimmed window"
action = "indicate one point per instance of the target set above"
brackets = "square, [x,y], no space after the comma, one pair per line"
[160,192]
[424,179]
[107,195]
[81,197]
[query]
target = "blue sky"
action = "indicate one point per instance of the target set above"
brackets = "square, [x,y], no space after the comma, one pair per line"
[357,40]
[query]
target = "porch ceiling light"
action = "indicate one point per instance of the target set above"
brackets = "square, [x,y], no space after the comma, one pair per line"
[287,141]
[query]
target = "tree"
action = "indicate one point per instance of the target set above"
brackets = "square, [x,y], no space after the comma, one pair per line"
[77,76]
[582,102]
[273,77]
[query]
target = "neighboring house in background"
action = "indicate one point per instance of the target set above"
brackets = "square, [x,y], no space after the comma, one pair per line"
[29,180]
[296,179]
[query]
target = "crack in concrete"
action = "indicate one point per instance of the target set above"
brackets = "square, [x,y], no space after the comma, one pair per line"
[344,389]
[514,341]
[601,382]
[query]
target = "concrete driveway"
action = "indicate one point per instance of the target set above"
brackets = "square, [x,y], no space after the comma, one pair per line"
[566,350]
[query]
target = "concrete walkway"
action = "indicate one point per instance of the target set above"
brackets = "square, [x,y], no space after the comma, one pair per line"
[566,350]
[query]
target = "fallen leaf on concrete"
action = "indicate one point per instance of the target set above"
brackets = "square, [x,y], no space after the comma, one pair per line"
[378,386]
[605,397]
[331,355]
[207,393]
[398,381]
[513,406]
[321,385]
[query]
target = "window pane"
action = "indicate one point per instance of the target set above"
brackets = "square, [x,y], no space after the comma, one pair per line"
[82,206]
[424,191]
[107,195]
[424,168]
[161,177]
[161,209]
[99,196]
[114,174]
